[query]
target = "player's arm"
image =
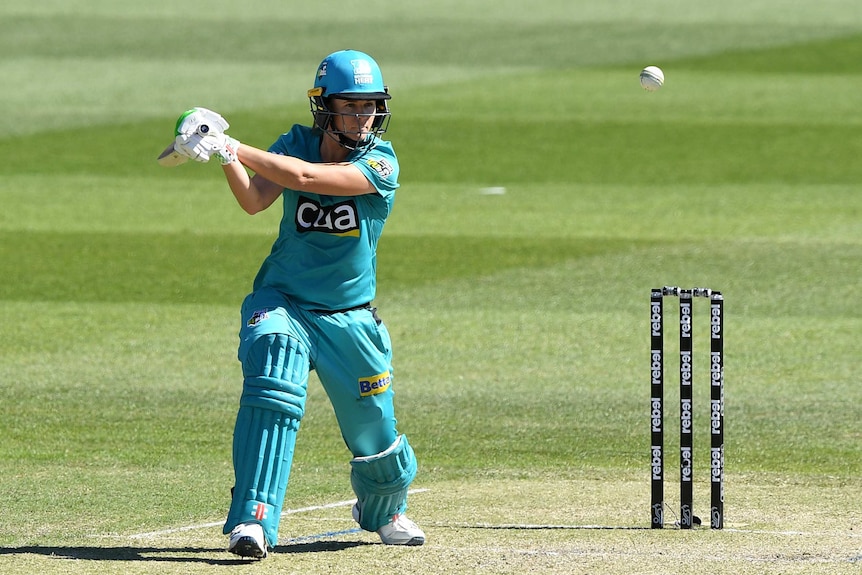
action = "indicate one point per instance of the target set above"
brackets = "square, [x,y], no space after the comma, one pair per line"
[200,135]
[253,193]
[337,179]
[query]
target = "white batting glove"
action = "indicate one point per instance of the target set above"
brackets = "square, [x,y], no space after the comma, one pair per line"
[200,121]
[224,148]
[195,147]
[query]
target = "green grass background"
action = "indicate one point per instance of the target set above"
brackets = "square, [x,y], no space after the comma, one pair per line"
[519,320]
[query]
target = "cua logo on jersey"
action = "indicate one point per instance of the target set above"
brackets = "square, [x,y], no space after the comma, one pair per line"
[375,384]
[339,219]
[381,166]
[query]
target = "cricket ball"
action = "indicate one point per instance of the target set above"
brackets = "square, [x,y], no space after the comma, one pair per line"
[652,78]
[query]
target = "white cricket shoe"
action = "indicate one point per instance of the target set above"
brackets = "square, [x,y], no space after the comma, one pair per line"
[399,531]
[247,540]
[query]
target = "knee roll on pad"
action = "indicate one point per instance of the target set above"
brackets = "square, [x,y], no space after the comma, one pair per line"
[380,483]
[271,407]
[272,394]
[276,375]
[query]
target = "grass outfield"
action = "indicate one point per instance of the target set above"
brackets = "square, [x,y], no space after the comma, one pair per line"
[543,194]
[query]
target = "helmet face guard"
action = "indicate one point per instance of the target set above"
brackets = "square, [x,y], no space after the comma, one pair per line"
[349,75]
[321,110]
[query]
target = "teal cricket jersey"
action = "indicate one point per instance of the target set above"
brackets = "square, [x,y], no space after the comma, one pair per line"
[325,256]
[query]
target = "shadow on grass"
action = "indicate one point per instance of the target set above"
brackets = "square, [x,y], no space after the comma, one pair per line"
[527,527]
[169,554]
[319,547]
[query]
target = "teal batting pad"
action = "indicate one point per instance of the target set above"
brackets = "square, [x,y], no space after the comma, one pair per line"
[380,483]
[272,404]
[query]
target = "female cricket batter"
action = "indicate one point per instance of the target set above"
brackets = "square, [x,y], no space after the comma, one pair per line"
[310,307]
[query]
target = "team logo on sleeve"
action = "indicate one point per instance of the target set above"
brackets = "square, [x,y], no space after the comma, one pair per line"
[381,166]
[339,219]
[375,384]
[258,317]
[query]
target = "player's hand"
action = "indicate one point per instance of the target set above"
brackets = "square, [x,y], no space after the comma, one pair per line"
[191,130]
[224,148]
[200,121]
[195,147]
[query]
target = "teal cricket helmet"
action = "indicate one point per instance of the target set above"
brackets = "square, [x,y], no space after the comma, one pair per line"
[349,75]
